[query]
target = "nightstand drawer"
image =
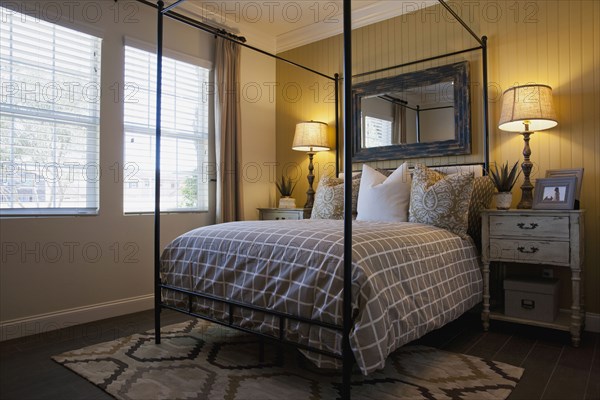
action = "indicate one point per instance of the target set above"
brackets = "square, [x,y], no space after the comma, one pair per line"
[531,251]
[529,226]
[283,215]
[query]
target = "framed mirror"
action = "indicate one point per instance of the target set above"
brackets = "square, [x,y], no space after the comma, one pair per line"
[418,114]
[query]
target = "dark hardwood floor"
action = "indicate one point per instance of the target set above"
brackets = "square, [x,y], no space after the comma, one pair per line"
[553,369]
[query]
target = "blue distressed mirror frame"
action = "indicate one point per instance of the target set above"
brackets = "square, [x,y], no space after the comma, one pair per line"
[459,145]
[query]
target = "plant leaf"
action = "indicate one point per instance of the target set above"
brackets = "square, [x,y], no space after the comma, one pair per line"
[286,187]
[502,178]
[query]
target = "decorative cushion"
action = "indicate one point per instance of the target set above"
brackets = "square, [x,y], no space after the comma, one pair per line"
[481,198]
[382,198]
[329,198]
[355,189]
[356,186]
[441,200]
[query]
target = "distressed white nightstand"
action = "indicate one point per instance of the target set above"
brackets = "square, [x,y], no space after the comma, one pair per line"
[549,237]
[284,213]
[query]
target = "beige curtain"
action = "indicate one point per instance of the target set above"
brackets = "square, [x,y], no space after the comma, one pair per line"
[399,125]
[228,139]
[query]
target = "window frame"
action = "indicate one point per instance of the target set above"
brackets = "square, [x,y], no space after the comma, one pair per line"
[203,166]
[23,114]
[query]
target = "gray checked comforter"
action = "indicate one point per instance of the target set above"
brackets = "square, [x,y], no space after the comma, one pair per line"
[407,280]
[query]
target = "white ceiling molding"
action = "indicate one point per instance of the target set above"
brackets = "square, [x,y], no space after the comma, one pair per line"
[364,16]
[280,36]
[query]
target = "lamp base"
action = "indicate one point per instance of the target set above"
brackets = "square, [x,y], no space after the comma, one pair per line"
[310,193]
[526,188]
[526,199]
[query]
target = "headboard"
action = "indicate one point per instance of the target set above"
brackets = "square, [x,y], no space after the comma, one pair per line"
[478,169]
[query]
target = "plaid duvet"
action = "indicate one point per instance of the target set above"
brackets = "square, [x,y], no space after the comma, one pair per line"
[407,280]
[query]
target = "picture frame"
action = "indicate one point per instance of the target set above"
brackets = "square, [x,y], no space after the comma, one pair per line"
[555,193]
[559,173]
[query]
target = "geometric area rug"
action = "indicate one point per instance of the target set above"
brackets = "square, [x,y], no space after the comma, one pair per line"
[200,360]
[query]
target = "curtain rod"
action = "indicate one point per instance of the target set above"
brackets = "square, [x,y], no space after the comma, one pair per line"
[226,35]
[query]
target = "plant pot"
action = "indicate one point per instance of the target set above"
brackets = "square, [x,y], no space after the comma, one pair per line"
[503,200]
[287,202]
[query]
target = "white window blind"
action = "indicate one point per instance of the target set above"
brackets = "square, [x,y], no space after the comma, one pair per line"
[378,132]
[185,133]
[49,118]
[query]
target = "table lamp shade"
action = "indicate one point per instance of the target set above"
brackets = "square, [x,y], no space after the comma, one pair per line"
[531,104]
[311,136]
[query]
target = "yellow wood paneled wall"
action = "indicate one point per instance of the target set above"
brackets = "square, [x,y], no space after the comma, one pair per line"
[555,42]
[303,96]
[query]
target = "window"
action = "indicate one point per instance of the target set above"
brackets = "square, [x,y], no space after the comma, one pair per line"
[185,133]
[378,132]
[49,118]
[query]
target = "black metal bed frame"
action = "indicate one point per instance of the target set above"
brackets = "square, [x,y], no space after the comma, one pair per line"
[347,356]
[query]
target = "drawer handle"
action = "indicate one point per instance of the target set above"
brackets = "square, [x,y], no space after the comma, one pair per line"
[531,251]
[528,304]
[532,225]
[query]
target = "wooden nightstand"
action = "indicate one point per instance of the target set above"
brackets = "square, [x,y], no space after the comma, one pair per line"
[284,213]
[549,237]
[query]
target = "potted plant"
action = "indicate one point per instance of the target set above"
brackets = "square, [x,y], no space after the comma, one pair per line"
[285,188]
[504,180]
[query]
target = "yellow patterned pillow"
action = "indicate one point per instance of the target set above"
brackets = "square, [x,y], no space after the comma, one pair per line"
[441,200]
[329,198]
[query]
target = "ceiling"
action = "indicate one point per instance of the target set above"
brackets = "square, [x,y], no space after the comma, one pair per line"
[282,25]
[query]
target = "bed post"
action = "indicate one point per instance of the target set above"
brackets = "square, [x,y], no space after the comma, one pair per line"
[336,87]
[347,314]
[486,127]
[159,45]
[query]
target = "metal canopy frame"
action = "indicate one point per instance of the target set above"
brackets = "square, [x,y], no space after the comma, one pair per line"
[347,356]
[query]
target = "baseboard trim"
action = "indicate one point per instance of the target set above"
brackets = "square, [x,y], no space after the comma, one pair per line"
[592,322]
[42,323]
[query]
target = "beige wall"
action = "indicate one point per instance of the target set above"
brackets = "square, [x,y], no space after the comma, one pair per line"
[258,132]
[551,42]
[34,283]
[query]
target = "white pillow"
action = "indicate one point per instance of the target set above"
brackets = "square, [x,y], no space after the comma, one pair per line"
[382,198]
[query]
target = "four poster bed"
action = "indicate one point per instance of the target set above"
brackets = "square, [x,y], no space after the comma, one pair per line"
[340,291]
